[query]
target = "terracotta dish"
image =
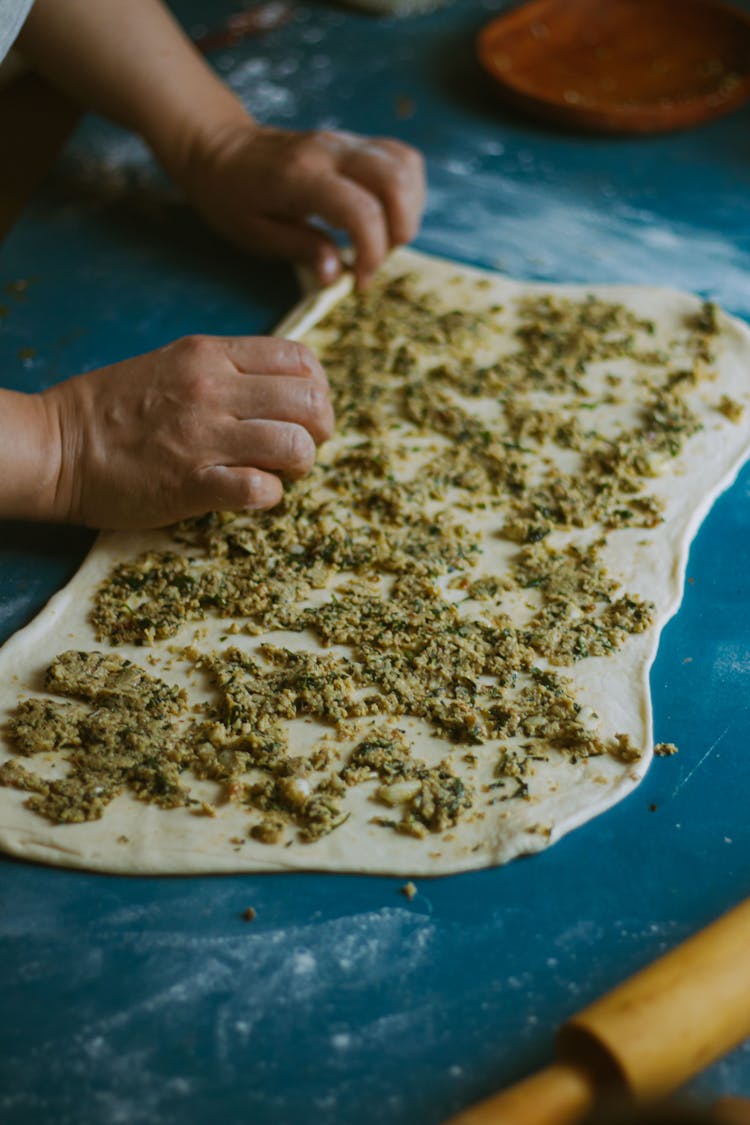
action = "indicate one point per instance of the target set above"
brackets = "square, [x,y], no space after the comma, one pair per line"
[621,66]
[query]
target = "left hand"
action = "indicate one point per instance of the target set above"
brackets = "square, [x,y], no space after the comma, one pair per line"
[260,187]
[263,188]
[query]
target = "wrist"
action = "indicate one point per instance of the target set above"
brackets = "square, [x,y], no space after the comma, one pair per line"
[185,147]
[30,458]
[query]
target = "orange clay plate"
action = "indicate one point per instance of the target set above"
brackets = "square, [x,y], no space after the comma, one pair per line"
[621,66]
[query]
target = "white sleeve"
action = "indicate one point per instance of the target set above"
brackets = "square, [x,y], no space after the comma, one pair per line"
[12,16]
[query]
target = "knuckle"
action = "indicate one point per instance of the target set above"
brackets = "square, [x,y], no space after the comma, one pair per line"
[409,158]
[299,166]
[317,402]
[305,154]
[331,141]
[400,177]
[296,358]
[370,209]
[394,147]
[414,159]
[197,348]
[317,398]
[409,175]
[253,492]
[196,356]
[300,449]
[405,176]
[304,358]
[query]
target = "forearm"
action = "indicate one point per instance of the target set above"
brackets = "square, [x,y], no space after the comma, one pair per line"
[29,457]
[258,186]
[135,65]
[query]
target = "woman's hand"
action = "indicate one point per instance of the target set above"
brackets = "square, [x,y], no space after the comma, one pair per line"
[267,190]
[263,188]
[203,423]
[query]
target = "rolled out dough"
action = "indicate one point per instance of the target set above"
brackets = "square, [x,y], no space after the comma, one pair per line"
[612,690]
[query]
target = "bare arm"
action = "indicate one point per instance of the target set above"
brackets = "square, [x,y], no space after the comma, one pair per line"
[204,423]
[258,186]
[132,63]
[201,423]
[29,457]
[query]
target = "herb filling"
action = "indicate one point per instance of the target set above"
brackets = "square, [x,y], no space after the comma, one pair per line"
[430,436]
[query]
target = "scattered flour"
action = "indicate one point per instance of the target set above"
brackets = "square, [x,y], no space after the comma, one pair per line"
[544,231]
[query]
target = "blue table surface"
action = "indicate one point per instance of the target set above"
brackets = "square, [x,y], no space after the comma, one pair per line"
[145,1000]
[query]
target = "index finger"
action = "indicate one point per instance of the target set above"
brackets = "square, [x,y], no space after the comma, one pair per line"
[272,355]
[394,173]
[351,207]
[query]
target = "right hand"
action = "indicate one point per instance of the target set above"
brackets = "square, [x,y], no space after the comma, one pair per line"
[204,423]
[259,187]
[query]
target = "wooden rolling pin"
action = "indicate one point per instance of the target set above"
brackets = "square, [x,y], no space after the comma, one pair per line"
[646,1038]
